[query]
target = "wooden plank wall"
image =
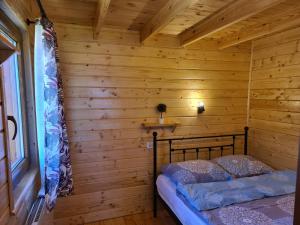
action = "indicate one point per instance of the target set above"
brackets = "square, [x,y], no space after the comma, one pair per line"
[275,99]
[111,86]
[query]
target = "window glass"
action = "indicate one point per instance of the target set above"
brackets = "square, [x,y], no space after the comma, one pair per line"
[11,75]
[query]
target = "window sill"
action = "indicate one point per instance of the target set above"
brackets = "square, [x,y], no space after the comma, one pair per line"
[26,186]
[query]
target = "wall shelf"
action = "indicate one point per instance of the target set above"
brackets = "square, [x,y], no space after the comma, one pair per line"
[150,126]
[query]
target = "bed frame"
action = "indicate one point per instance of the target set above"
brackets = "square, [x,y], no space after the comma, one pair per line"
[184,151]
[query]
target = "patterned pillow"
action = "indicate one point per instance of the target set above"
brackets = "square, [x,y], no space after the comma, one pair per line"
[195,171]
[242,165]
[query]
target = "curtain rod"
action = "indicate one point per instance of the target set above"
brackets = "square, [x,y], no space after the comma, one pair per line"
[42,12]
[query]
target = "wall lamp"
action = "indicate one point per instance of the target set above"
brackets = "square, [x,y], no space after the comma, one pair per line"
[201,107]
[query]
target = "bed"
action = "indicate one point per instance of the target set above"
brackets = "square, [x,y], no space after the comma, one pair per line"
[276,209]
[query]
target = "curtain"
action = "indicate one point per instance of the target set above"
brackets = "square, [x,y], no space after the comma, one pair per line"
[53,145]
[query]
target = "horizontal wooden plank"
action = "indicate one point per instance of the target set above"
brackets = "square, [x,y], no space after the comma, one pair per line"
[113,183]
[89,141]
[148,51]
[131,61]
[286,106]
[133,103]
[286,83]
[138,200]
[97,114]
[276,50]
[150,73]
[105,214]
[107,156]
[110,82]
[273,158]
[213,65]
[79,125]
[284,142]
[151,62]
[277,72]
[279,94]
[277,116]
[284,128]
[92,92]
[115,134]
[78,201]
[87,144]
[114,145]
[277,61]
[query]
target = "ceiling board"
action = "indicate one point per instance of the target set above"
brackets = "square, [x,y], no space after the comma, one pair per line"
[279,12]
[134,14]
[193,15]
[71,11]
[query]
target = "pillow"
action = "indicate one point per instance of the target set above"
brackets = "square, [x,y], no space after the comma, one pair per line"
[195,171]
[242,165]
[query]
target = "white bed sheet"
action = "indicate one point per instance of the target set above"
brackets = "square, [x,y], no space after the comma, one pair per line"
[167,191]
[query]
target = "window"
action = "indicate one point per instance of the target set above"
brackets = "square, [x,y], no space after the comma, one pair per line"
[11,80]
[14,101]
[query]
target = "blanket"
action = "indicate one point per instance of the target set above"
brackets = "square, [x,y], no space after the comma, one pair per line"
[205,196]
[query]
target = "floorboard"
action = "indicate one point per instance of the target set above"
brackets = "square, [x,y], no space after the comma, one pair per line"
[140,219]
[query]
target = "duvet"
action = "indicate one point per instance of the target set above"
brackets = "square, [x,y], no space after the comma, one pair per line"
[206,196]
[268,211]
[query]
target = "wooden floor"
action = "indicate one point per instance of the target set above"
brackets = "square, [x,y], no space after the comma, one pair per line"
[140,219]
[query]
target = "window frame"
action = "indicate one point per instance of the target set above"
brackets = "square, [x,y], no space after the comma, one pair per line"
[28,185]
[21,36]
[14,33]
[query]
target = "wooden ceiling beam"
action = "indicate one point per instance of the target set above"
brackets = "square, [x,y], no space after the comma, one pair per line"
[101,12]
[164,16]
[232,13]
[254,32]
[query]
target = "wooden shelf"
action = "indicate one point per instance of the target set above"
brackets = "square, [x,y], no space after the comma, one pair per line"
[150,126]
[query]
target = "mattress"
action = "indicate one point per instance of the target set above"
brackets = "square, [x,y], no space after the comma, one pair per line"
[167,191]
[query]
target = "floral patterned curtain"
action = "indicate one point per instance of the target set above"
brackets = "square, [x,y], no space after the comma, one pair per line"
[55,164]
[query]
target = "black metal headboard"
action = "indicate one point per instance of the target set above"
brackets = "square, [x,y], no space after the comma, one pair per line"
[196,150]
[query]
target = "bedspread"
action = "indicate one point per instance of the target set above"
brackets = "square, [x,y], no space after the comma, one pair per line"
[268,211]
[205,196]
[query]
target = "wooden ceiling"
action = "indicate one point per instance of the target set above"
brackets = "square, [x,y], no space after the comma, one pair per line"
[229,21]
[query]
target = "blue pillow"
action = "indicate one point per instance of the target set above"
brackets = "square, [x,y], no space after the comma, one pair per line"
[195,171]
[242,165]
